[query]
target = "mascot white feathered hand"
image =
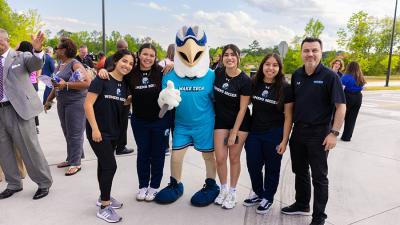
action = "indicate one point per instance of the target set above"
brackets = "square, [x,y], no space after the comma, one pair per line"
[189,88]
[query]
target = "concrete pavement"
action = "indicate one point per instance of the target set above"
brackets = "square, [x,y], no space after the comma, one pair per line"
[364,182]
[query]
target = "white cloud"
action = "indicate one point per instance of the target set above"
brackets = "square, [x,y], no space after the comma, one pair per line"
[152,5]
[239,28]
[186,6]
[157,7]
[287,6]
[67,20]
[333,14]
[180,17]
[55,24]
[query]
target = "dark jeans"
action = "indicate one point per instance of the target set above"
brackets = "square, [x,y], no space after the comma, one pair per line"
[106,166]
[306,150]
[353,105]
[150,141]
[122,141]
[261,152]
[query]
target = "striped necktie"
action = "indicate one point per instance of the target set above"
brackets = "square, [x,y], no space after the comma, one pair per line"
[1,78]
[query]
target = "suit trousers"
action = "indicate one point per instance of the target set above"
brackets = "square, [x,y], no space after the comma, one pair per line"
[22,133]
[21,166]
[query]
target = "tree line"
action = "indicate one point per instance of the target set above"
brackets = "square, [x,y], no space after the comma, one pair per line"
[365,39]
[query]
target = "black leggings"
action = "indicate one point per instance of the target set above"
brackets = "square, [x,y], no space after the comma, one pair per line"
[106,166]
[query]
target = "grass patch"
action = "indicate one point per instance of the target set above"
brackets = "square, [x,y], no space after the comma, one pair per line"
[380,78]
[379,88]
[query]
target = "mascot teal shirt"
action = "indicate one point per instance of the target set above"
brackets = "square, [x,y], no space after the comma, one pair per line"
[196,107]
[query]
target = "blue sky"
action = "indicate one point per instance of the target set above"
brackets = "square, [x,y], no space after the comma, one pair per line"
[225,21]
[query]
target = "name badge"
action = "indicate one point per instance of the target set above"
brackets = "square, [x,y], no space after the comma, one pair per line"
[318,82]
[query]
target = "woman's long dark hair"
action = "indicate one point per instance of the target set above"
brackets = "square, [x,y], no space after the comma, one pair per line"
[235,50]
[119,55]
[155,68]
[279,79]
[354,69]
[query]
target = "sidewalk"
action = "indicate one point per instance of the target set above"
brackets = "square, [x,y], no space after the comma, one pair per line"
[382,83]
[364,186]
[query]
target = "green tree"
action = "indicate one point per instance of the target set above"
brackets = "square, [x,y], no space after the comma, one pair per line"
[254,47]
[313,28]
[359,36]
[19,25]
[292,60]
[368,41]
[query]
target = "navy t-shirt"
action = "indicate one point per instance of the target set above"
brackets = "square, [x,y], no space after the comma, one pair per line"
[267,112]
[315,95]
[108,107]
[227,92]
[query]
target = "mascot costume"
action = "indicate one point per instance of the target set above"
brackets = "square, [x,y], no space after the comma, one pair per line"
[189,88]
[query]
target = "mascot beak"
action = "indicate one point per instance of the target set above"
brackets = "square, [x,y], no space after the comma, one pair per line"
[190,53]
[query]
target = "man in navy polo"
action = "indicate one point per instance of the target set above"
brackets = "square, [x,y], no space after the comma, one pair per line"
[317,90]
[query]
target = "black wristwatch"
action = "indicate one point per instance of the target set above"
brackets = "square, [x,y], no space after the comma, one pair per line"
[334,132]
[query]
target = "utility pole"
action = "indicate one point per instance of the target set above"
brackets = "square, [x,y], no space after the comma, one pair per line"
[391,48]
[104,28]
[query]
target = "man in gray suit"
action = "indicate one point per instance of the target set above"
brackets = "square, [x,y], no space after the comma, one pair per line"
[19,104]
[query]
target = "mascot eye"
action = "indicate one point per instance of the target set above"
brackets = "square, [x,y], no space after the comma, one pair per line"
[198,55]
[183,55]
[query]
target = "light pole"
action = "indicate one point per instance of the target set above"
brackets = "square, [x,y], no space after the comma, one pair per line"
[104,28]
[391,48]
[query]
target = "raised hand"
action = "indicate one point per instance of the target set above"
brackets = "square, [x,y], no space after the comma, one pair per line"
[37,40]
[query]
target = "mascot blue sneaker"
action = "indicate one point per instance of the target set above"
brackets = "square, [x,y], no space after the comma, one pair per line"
[207,194]
[171,193]
[189,88]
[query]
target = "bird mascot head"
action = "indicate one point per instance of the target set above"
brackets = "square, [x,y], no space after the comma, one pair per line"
[191,53]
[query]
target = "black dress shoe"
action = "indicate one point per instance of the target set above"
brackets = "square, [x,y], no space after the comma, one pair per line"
[123,151]
[40,193]
[8,193]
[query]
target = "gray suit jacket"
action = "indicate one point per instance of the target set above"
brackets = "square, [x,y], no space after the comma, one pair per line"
[18,87]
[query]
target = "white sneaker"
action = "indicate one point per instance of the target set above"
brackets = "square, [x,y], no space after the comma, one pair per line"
[221,197]
[151,194]
[230,201]
[141,194]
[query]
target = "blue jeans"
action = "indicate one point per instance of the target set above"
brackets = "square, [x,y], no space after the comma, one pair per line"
[151,145]
[261,151]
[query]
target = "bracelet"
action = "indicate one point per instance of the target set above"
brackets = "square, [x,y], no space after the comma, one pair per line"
[67,86]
